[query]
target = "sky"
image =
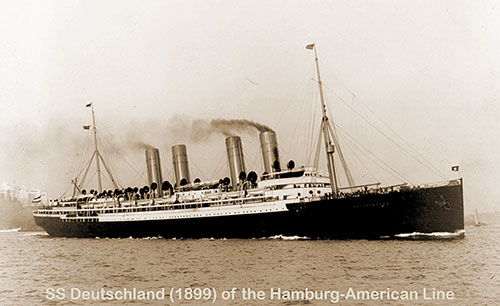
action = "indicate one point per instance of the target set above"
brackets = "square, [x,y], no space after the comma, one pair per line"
[427,70]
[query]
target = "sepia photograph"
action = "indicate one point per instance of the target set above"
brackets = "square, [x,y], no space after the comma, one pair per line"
[218,152]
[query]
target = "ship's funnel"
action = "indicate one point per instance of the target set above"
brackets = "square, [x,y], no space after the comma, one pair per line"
[270,155]
[181,167]
[154,168]
[235,158]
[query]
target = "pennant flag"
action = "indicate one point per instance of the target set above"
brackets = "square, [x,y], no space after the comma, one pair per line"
[310,47]
[454,168]
[37,199]
[88,105]
[86,127]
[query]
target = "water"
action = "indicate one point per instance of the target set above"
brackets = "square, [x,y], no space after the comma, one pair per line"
[33,263]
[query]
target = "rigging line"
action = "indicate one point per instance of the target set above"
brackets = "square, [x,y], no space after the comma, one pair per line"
[170,170]
[110,176]
[68,186]
[104,132]
[63,194]
[340,155]
[113,168]
[287,109]
[126,158]
[293,145]
[403,140]
[132,180]
[84,153]
[252,160]
[313,107]
[351,148]
[387,125]
[282,114]
[311,124]
[342,181]
[82,182]
[377,161]
[318,146]
[106,180]
[86,165]
[90,179]
[191,162]
[109,170]
[122,157]
[107,152]
[217,166]
[381,132]
[284,153]
[87,148]
[226,168]
[398,175]
[80,165]
[301,121]
[104,151]
[256,161]
[138,180]
[307,105]
[306,117]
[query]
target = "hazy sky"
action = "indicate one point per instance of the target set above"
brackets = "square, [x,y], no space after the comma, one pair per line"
[429,69]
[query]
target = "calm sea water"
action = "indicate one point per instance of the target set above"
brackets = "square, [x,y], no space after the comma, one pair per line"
[33,264]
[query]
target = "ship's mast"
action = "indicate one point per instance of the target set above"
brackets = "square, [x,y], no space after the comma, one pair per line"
[99,181]
[330,149]
[97,155]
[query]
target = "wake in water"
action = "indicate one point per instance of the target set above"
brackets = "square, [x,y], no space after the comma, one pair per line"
[36,234]
[10,230]
[130,237]
[430,236]
[281,237]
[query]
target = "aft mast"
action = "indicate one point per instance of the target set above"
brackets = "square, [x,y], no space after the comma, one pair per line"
[328,133]
[330,149]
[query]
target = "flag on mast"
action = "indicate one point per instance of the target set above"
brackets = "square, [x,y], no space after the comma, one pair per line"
[88,105]
[454,168]
[310,46]
[86,127]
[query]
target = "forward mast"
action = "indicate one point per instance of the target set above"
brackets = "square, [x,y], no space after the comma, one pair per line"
[98,157]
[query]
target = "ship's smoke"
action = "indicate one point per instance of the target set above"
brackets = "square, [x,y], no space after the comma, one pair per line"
[143,145]
[226,126]
[49,154]
[198,130]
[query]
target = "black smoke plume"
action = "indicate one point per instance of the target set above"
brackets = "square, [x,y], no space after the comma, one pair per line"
[227,126]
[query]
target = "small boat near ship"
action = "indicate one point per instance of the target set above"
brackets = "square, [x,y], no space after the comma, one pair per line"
[296,201]
[477,222]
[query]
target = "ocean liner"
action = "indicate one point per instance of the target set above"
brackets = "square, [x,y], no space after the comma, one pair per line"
[296,201]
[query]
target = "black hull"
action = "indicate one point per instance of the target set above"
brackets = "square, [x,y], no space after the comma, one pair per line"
[372,216]
[426,210]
